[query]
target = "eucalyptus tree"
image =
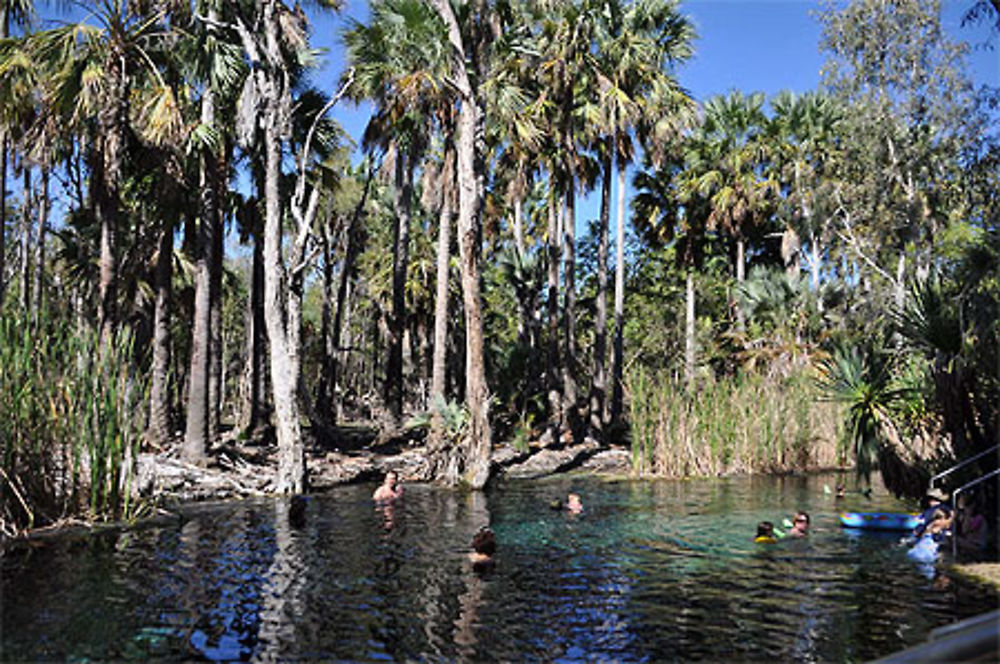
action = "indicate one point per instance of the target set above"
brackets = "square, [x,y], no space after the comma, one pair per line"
[274,42]
[400,61]
[910,125]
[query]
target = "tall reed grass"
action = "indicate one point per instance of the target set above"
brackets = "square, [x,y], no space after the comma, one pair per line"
[70,423]
[747,424]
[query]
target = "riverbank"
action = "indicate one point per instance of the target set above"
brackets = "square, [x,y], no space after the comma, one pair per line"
[350,455]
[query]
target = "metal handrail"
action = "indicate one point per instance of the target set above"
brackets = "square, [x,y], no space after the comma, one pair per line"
[954,495]
[963,464]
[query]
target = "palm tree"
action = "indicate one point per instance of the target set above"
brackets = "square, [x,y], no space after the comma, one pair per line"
[399,60]
[446,187]
[725,168]
[17,13]
[803,136]
[664,215]
[95,67]
[640,43]
[220,70]
[567,82]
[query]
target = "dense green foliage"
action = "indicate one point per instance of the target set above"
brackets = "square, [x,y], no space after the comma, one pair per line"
[68,420]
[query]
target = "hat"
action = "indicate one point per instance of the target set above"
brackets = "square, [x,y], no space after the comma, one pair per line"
[937,494]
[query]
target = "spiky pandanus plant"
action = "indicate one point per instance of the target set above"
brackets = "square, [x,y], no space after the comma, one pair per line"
[861,377]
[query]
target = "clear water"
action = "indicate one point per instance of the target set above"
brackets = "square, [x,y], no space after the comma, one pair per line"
[657,570]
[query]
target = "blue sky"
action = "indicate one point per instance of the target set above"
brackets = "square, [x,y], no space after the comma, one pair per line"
[748,45]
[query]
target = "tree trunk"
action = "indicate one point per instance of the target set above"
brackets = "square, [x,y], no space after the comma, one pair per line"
[470,153]
[617,356]
[553,371]
[25,249]
[519,227]
[216,385]
[254,378]
[3,214]
[284,379]
[689,348]
[158,432]
[523,304]
[106,182]
[791,247]
[439,364]
[569,309]
[598,390]
[400,259]
[44,207]
[196,434]
[899,295]
[346,270]
[323,402]
[815,256]
[438,442]
[740,277]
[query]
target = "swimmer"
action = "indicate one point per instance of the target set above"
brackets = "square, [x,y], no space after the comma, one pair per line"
[573,503]
[390,489]
[765,533]
[800,525]
[484,545]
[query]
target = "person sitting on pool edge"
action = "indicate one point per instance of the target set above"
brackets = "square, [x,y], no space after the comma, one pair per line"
[765,533]
[484,545]
[800,525]
[390,489]
[936,500]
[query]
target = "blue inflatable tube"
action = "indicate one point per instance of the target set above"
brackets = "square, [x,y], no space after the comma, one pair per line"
[879,520]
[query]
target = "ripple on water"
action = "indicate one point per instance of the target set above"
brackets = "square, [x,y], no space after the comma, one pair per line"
[651,571]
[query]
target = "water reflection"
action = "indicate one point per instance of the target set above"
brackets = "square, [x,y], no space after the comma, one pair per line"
[477,515]
[283,603]
[649,571]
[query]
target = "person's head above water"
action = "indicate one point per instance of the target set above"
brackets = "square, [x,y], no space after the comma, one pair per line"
[765,529]
[800,524]
[484,542]
[573,503]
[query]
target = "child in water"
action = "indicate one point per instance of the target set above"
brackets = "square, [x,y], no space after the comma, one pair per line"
[573,503]
[765,533]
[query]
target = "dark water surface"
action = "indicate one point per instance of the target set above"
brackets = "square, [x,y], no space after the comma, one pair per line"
[658,570]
